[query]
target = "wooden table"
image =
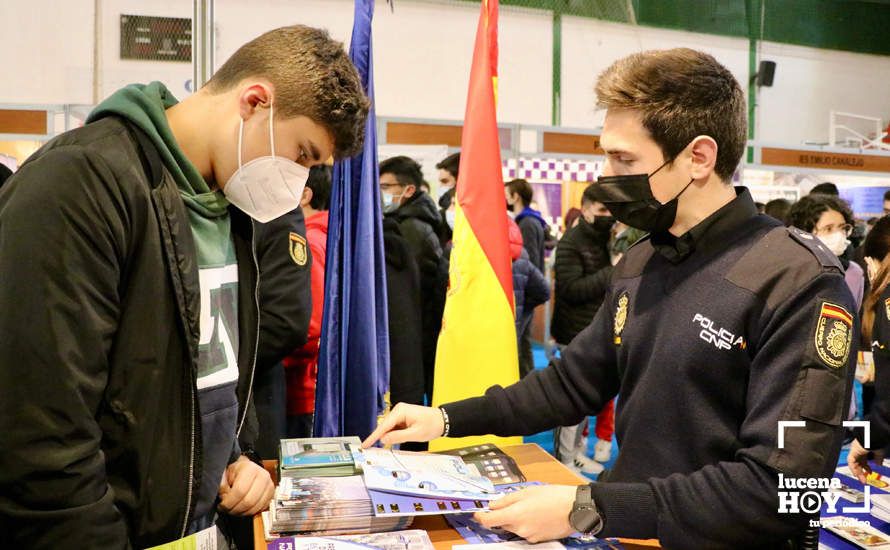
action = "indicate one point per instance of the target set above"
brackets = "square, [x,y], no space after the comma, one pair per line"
[535,463]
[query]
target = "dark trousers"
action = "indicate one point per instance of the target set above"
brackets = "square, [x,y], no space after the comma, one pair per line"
[300,425]
[526,361]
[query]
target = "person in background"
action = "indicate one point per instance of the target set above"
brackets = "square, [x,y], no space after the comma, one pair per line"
[830,219]
[623,237]
[419,223]
[534,231]
[408,378]
[448,170]
[876,331]
[301,366]
[826,188]
[132,308]
[887,202]
[530,289]
[533,226]
[425,186]
[269,380]
[571,219]
[778,209]
[760,207]
[582,273]
[5,172]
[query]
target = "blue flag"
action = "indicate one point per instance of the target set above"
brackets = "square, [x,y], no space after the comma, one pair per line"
[353,359]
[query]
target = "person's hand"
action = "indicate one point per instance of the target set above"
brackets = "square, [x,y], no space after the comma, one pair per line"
[858,459]
[408,423]
[537,513]
[246,488]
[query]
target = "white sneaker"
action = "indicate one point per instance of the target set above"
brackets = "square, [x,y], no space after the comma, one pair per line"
[602,451]
[588,466]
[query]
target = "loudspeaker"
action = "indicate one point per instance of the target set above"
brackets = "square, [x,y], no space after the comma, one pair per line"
[766,73]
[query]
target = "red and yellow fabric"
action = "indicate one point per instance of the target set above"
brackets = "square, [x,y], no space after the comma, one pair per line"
[477,345]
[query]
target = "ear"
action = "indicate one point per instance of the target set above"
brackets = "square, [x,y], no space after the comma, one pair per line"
[254,97]
[703,152]
[410,189]
[307,197]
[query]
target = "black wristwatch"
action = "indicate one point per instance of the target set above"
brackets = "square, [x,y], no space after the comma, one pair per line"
[584,517]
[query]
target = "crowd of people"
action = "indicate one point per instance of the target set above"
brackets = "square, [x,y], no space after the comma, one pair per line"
[158,337]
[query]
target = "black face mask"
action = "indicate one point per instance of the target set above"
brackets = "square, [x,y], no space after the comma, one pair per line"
[603,224]
[630,200]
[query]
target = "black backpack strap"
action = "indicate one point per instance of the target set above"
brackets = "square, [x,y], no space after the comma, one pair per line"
[148,153]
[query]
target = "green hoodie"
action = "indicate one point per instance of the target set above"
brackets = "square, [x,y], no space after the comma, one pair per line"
[145,106]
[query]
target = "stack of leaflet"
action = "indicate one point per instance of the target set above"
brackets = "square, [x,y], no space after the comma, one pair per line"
[317,457]
[880,506]
[326,506]
[398,540]
[410,484]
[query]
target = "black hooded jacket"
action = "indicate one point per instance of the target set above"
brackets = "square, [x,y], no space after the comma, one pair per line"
[99,316]
[419,224]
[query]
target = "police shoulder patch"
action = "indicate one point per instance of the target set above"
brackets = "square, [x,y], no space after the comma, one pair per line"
[621,316]
[297,247]
[834,335]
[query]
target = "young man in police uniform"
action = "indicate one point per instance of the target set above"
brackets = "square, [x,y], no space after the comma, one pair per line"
[717,327]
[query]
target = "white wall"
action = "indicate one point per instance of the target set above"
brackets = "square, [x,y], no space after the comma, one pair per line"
[590,46]
[422,52]
[115,72]
[46,51]
[422,55]
[809,83]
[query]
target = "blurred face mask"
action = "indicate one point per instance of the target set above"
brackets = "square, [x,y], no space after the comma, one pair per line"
[449,218]
[836,242]
[268,187]
[390,201]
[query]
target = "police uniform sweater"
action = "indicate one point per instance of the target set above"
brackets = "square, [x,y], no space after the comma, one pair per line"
[711,339]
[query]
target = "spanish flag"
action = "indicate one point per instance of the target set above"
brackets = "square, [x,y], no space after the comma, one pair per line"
[477,345]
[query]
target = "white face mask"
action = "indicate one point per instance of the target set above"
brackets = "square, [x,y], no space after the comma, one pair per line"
[836,242]
[449,218]
[390,201]
[269,187]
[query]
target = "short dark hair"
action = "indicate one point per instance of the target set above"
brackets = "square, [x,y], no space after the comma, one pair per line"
[522,188]
[826,188]
[5,173]
[680,93]
[887,195]
[406,170]
[806,212]
[778,209]
[320,183]
[590,194]
[877,242]
[312,76]
[450,164]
